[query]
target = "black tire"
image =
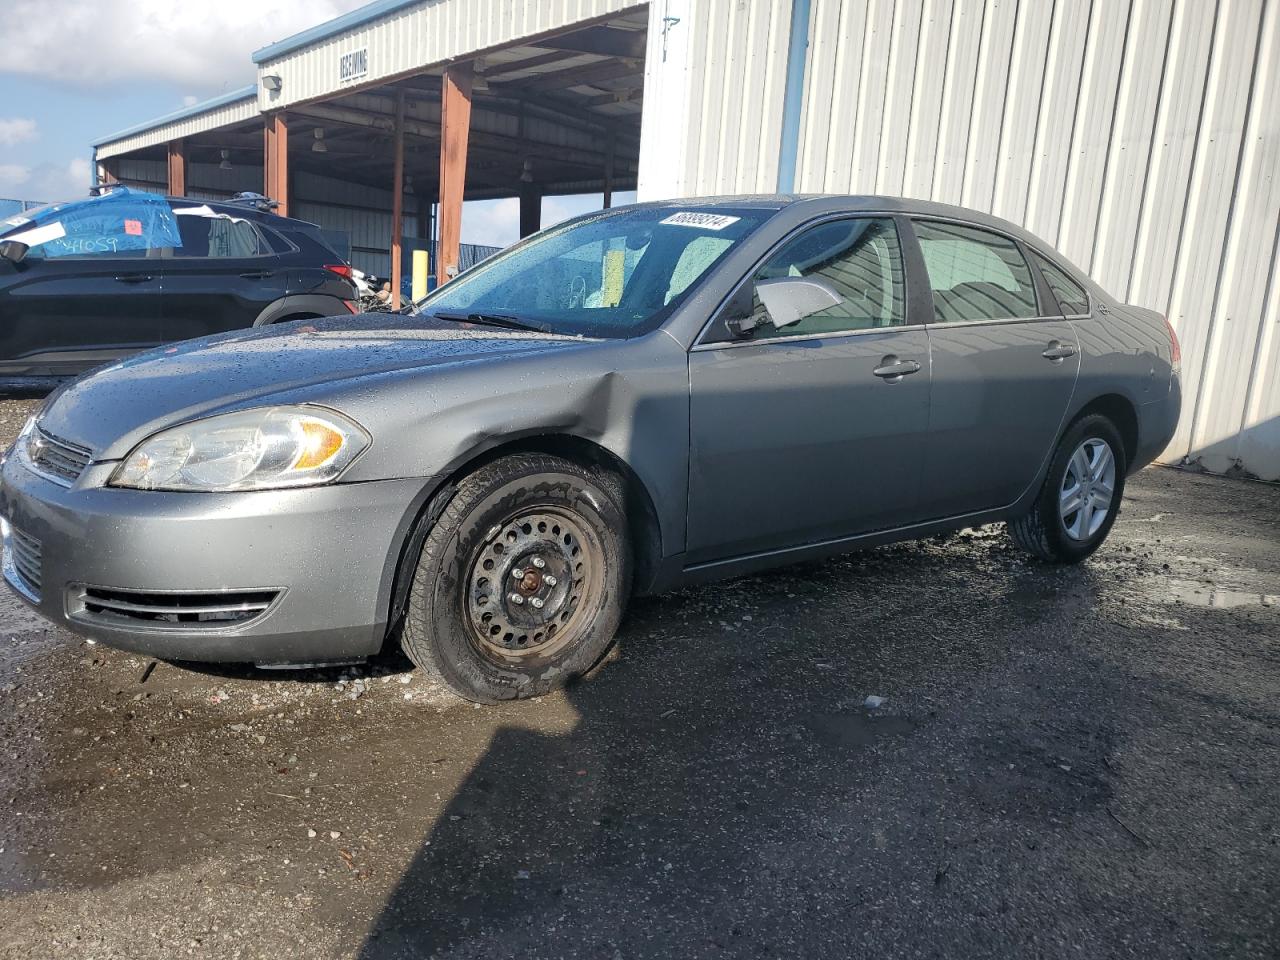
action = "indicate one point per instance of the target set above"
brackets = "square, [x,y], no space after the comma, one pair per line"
[542,508]
[1043,532]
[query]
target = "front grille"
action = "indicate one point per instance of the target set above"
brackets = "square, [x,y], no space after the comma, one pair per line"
[22,562]
[171,610]
[59,460]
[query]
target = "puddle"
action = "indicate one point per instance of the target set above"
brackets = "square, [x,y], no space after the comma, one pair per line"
[1222,598]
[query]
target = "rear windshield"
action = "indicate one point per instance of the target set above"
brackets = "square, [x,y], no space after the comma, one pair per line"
[616,274]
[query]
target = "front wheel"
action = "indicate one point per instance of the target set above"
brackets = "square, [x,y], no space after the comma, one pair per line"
[1078,503]
[522,580]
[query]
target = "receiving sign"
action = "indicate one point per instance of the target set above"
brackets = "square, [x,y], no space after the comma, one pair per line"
[705,221]
[353,65]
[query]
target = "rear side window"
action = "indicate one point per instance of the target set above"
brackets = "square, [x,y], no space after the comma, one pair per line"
[1072,297]
[216,235]
[861,259]
[975,274]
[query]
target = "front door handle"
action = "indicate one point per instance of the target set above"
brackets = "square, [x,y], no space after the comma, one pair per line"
[133,278]
[892,370]
[1059,351]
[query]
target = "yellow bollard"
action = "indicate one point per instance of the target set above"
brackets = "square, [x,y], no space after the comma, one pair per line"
[420,270]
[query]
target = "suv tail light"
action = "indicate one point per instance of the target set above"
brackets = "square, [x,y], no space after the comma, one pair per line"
[1175,350]
[341,269]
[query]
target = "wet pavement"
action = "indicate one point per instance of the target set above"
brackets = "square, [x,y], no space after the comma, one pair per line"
[1067,762]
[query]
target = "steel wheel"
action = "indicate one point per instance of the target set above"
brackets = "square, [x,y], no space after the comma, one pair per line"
[528,582]
[1088,489]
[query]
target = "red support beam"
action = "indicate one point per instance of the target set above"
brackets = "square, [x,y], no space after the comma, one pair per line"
[397,206]
[177,168]
[275,165]
[455,127]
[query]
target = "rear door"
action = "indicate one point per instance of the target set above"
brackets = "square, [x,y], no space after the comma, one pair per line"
[811,432]
[77,301]
[222,276]
[1005,363]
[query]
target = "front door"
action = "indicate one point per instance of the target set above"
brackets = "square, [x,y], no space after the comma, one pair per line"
[63,314]
[1004,368]
[811,432]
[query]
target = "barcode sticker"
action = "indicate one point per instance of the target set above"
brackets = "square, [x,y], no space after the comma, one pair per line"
[704,221]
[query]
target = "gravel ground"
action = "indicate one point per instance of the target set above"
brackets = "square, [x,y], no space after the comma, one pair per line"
[1067,762]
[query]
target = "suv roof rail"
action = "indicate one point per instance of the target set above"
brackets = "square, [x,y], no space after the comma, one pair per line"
[255,200]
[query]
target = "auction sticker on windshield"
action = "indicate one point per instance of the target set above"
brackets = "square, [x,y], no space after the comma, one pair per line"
[707,221]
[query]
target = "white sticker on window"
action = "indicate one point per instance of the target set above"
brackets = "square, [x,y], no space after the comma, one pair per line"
[705,221]
[38,235]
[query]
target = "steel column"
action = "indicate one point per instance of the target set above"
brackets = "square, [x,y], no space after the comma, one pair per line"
[177,153]
[455,127]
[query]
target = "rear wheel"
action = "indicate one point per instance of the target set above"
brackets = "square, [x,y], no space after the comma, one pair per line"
[1078,503]
[522,581]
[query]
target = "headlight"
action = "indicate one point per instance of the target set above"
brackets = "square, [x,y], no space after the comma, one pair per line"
[252,450]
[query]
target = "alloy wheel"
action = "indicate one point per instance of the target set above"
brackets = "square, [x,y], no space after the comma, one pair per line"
[1088,489]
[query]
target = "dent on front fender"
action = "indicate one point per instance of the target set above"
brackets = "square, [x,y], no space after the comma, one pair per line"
[628,397]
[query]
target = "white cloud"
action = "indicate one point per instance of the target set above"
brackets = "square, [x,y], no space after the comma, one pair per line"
[13,175]
[203,46]
[491,223]
[46,181]
[14,130]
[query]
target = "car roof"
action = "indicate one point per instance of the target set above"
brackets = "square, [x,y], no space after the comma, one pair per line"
[878,203]
[245,211]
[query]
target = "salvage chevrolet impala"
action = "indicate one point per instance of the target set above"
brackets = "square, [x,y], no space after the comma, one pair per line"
[638,399]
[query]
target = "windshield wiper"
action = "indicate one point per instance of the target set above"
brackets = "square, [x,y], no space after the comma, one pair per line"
[494,320]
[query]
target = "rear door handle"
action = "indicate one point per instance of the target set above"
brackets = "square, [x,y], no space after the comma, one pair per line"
[257,275]
[133,278]
[891,369]
[1059,351]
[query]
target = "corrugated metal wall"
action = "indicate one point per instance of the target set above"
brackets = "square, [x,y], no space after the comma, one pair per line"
[1140,137]
[245,108]
[421,35]
[715,76]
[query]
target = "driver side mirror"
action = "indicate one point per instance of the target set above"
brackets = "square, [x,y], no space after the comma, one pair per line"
[788,300]
[12,253]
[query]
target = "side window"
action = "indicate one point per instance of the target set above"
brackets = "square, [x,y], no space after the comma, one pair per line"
[207,234]
[975,274]
[861,259]
[1072,296]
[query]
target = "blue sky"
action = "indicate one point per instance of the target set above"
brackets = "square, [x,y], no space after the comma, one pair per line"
[77,70]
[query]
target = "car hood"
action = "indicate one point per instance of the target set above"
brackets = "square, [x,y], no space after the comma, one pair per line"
[112,408]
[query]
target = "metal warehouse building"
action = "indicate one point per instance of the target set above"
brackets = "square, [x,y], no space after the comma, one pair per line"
[1140,137]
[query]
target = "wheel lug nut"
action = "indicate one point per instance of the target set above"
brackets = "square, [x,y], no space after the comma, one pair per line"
[517,599]
[517,573]
[536,603]
[539,562]
[549,580]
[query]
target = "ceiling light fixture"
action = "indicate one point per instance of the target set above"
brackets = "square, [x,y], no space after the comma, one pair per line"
[319,146]
[226,159]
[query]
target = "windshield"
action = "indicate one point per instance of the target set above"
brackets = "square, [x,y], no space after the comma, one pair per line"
[617,275]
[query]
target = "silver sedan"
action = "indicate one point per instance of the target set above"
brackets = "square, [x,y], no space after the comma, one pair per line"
[635,400]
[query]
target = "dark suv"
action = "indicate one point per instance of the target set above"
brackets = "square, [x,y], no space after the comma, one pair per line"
[89,281]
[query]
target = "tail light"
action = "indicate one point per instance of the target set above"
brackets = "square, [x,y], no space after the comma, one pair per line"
[341,269]
[1175,350]
[351,305]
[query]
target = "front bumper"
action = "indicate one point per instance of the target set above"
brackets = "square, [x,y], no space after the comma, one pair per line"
[328,554]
